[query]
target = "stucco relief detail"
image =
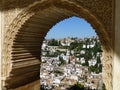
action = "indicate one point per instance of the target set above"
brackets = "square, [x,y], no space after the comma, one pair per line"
[102,9]
[107,69]
[8,19]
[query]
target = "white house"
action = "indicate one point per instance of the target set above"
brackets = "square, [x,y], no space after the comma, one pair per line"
[82,52]
[82,60]
[84,46]
[44,45]
[92,62]
[56,81]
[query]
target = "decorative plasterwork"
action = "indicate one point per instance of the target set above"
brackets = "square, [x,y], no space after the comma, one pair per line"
[100,18]
[102,9]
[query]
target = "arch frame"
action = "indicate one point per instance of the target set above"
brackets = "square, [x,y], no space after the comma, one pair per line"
[39,6]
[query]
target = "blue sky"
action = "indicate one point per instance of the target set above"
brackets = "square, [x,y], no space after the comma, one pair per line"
[72,27]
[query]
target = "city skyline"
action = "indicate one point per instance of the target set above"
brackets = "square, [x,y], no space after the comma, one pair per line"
[71,27]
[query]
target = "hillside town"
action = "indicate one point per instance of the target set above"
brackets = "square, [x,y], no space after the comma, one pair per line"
[71,62]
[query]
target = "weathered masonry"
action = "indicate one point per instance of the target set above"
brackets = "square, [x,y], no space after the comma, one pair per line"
[24,24]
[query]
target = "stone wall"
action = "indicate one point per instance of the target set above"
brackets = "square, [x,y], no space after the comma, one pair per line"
[21,45]
[32,86]
[116,64]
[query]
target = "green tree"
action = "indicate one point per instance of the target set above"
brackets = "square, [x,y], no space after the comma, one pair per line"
[73,45]
[69,61]
[58,72]
[100,68]
[77,86]
[88,55]
[62,62]
[53,42]
[98,59]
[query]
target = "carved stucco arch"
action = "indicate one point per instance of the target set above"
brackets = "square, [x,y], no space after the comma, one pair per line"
[21,22]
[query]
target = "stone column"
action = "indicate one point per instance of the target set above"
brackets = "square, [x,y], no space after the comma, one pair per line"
[116,64]
[0,46]
[1,40]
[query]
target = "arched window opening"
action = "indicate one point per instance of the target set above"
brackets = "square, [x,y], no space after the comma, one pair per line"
[71,57]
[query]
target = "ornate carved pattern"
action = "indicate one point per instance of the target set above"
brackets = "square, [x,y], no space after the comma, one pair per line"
[11,4]
[102,9]
[107,69]
[97,13]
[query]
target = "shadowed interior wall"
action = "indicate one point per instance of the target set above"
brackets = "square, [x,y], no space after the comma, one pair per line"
[116,70]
